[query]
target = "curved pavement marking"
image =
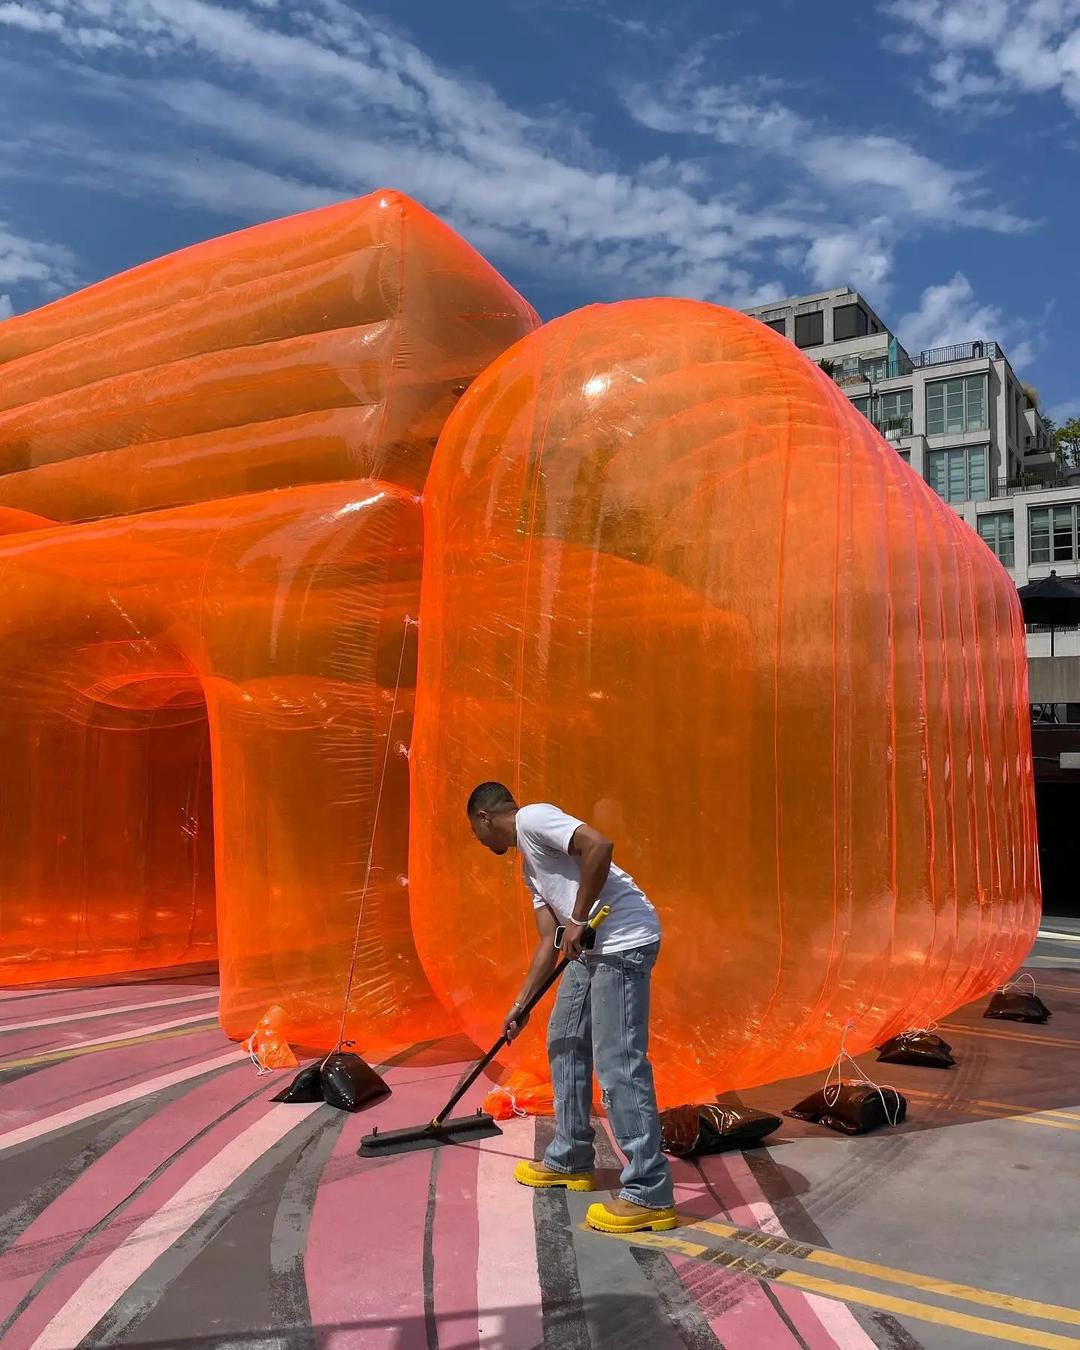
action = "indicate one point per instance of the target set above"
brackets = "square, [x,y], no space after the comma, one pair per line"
[55,1050]
[365,1312]
[144,1200]
[53,1085]
[109,1184]
[91,1015]
[507,1271]
[96,1105]
[451,1242]
[141,1248]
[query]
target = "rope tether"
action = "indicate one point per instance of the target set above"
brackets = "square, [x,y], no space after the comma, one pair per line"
[410,622]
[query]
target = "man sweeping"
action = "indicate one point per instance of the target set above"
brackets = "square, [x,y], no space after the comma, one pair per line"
[601,1014]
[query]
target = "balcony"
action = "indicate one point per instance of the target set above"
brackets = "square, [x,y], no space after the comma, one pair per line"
[963,351]
[893,428]
[1031,483]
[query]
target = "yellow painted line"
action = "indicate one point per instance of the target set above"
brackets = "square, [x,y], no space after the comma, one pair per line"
[1059,988]
[997,1032]
[850,1293]
[924,1312]
[822,1256]
[1011,1108]
[75,1052]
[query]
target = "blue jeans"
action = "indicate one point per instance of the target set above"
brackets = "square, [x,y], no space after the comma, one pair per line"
[601,1017]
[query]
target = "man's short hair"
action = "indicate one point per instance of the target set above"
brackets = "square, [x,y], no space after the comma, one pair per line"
[489,797]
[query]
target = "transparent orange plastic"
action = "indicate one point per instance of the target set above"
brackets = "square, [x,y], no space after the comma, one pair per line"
[206,693]
[676,584]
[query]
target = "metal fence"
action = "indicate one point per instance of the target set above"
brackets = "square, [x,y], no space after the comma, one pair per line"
[962,351]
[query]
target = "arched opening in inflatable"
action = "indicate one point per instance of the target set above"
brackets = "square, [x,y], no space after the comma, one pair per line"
[118,809]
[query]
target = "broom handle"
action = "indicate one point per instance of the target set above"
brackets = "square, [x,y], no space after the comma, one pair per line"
[463,1087]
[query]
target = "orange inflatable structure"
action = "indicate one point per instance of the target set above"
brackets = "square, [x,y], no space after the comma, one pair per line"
[659,571]
[206,677]
[674,582]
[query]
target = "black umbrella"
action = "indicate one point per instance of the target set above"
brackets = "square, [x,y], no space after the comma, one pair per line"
[1054,601]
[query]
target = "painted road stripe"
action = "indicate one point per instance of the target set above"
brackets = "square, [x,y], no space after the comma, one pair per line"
[1059,937]
[140,1037]
[1012,1108]
[142,1247]
[105,1012]
[998,1033]
[924,1312]
[508,1293]
[730,1180]
[850,1293]
[193,1019]
[97,1105]
[801,1251]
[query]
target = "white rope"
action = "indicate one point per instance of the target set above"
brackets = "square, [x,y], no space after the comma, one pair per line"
[410,622]
[1015,984]
[514,1108]
[927,1030]
[892,1117]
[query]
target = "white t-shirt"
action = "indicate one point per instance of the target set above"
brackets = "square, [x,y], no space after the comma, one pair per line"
[553,875]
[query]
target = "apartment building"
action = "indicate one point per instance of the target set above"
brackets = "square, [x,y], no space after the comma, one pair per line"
[962,419]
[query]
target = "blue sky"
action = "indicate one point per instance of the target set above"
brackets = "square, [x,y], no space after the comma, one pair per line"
[926,151]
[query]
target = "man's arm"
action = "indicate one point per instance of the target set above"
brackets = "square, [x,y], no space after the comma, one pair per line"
[543,963]
[595,851]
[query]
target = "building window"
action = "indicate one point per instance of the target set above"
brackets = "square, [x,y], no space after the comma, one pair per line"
[896,403]
[777,325]
[849,321]
[861,405]
[959,475]
[876,368]
[809,329]
[905,455]
[895,408]
[997,531]
[1052,534]
[956,405]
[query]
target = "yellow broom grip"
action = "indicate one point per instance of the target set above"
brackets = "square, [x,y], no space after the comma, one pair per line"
[599,917]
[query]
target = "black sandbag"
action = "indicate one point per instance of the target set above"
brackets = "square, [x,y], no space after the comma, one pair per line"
[852,1107]
[1015,1005]
[349,1083]
[305,1087]
[687,1131]
[917,1047]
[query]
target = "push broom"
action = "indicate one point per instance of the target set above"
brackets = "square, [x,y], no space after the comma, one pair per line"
[480,1125]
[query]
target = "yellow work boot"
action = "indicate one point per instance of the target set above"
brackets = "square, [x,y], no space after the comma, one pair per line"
[620,1216]
[535,1174]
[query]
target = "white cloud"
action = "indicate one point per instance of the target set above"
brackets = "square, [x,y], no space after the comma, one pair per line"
[950,313]
[345,106]
[30,20]
[50,268]
[7,309]
[883,169]
[859,256]
[980,49]
[333,104]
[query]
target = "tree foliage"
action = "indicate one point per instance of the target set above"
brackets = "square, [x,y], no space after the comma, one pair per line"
[1067,439]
